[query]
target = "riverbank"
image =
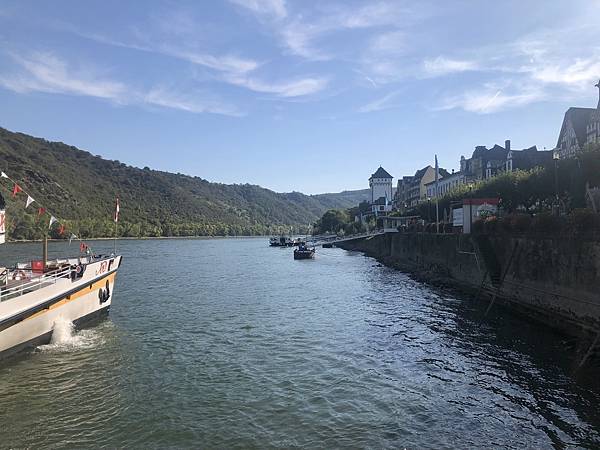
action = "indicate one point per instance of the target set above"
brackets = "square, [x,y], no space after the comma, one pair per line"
[549,279]
[143,238]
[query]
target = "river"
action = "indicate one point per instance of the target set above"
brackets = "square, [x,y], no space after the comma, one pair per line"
[227,343]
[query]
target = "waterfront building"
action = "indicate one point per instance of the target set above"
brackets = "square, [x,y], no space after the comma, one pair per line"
[414,189]
[401,196]
[528,159]
[580,126]
[487,163]
[484,163]
[445,184]
[380,184]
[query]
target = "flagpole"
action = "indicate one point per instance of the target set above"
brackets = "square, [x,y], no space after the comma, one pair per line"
[116,224]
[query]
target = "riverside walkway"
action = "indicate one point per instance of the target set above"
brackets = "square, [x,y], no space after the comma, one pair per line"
[316,241]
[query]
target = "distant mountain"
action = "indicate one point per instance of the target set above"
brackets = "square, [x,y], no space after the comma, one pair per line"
[81,189]
[344,199]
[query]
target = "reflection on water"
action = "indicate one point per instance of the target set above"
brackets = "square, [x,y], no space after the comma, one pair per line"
[229,343]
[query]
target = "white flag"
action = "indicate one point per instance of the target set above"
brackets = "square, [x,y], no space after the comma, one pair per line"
[52,220]
[29,201]
[71,238]
[3,175]
[116,218]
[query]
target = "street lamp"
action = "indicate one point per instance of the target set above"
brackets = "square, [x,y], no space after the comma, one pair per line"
[470,208]
[429,209]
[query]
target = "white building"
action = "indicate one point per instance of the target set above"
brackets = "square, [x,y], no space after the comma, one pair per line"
[381,191]
[381,185]
[445,184]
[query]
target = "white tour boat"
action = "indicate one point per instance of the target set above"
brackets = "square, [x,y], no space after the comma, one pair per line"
[37,295]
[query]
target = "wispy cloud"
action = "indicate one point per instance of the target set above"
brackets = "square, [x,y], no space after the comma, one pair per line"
[230,69]
[575,74]
[381,104]
[539,66]
[46,72]
[491,99]
[264,8]
[291,88]
[226,63]
[373,14]
[301,34]
[162,96]
[384,57]
[443,66]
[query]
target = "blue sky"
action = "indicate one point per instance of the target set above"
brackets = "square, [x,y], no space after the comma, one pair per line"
[295,94]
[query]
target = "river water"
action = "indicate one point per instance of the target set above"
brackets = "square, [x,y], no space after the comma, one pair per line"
[227,343]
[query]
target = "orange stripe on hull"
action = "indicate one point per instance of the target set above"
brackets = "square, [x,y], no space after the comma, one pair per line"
[85,289]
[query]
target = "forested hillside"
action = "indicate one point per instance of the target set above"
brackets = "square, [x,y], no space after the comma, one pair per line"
[81,188]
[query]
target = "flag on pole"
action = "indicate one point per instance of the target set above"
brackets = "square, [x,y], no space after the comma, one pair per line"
[29,201]
[117,210]
[16,190]
[52,220]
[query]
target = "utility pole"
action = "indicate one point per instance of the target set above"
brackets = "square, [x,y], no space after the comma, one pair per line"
[557,201]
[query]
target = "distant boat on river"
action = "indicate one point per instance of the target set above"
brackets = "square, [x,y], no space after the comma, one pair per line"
[285,241]
[303,252]
[281,241]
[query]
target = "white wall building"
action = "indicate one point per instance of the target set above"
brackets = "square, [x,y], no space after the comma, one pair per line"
[381,185]
[381,191]
[445,184]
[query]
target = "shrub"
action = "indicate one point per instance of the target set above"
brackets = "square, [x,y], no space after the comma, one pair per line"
[478,226]
[546,223]
[583,220]
[491,224]
[517,222]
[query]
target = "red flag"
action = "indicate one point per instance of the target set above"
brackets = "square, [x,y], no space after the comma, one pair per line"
[61,230]
[16,190]
[41,211]
[82,247]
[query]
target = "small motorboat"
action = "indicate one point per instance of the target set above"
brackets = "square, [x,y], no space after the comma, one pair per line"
[303,252]
[281,241]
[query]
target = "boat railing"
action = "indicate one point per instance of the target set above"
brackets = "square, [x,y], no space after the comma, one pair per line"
[48,278]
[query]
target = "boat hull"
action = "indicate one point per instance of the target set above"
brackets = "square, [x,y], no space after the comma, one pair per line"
[80,303]
[304,255]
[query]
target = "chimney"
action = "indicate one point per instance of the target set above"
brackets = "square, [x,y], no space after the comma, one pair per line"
[507,145]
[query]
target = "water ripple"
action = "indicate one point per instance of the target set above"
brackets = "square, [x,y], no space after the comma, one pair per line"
[231,344]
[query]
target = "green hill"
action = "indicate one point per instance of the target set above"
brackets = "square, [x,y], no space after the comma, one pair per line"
[81,188]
